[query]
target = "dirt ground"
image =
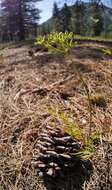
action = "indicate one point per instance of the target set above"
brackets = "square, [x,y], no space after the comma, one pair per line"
[29,88]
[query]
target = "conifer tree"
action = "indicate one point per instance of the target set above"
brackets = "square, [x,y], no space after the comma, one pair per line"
[8,19]
[78,18]
[19,17]
[56,18]
[97,22]
[65,18]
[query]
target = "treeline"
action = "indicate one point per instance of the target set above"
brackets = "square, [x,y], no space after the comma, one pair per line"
[85,19]
[18,19]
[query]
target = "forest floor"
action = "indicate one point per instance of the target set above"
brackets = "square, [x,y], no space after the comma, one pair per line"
[30,87]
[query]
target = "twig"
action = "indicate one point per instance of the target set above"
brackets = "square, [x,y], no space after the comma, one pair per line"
[43,90]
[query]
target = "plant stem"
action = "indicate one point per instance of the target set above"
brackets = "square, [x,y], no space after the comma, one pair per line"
[86,89]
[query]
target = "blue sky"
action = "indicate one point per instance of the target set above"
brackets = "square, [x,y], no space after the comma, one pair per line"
[46,7]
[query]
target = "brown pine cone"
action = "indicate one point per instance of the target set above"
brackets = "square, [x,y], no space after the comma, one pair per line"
[53,151]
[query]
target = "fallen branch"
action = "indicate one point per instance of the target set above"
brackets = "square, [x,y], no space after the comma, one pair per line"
[43,90]
[49,87]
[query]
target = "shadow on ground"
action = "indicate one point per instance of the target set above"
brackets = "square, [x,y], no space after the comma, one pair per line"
[38,61]
[87,52]
[72,178]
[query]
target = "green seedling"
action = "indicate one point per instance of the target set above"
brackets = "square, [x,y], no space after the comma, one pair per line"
[107,51]
[89,147]
[62,43]
[72,128]
[57,42]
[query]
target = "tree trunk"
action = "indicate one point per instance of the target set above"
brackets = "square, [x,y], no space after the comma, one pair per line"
[21,22]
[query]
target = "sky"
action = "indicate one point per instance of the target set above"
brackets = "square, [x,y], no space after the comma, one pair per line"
[46,7]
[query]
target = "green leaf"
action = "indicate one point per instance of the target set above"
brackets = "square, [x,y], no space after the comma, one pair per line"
[107,51]
[57,42]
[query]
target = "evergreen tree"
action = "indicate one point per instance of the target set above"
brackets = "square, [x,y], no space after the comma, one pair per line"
[97,22]
[65,18]
[56,25]
[8,16]
[19,17]
[78,18]
[30,15]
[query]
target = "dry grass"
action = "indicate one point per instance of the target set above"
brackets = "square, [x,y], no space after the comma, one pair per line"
[23,111]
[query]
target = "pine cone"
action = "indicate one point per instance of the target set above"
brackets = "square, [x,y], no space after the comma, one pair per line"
[53,151]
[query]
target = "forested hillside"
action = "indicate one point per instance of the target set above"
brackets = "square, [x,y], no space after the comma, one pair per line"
[85,19]
[19,19]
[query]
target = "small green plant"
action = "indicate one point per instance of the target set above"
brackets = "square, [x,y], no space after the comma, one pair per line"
[89,147]
[62,43]
[107,51]
[98,99]
[72,128]
[57,42]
